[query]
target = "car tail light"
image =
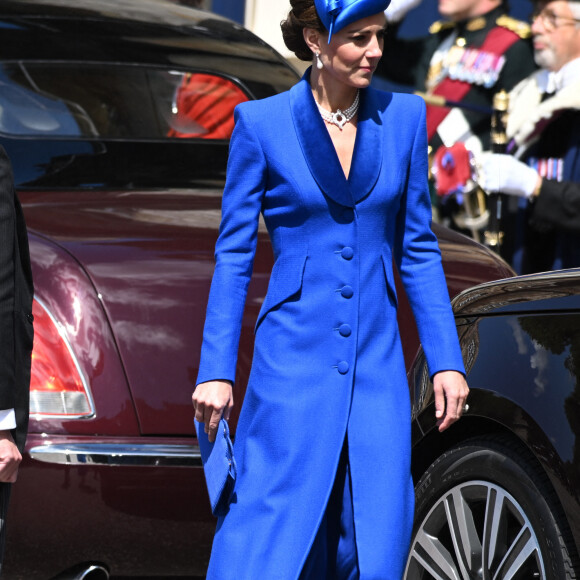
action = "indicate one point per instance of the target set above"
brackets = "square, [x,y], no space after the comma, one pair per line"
[57,387]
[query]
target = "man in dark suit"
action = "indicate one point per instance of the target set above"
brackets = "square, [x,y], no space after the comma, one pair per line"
[541,172]
[16,336]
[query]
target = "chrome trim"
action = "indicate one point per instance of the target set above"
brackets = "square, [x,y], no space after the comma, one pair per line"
[465,296]
[93,572]
[85,571]
[136,455]
[63,334]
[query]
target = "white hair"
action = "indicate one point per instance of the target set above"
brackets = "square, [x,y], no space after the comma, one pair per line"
[575,9]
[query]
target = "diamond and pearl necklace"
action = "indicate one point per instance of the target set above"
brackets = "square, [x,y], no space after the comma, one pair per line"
[338,117]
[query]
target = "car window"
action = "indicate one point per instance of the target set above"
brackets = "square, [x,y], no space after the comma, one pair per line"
[115,102]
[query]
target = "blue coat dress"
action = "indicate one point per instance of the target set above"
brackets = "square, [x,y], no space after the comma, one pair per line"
[328,362]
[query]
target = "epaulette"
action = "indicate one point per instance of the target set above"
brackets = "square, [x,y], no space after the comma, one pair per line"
[521,28]
[440,25]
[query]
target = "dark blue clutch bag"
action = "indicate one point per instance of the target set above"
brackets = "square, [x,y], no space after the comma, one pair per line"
[219,466]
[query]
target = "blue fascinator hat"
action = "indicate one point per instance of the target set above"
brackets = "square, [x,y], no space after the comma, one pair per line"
[336,14]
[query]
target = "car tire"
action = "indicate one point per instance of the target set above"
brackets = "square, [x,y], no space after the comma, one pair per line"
[483,511]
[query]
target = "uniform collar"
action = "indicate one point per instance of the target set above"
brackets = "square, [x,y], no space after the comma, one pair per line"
[554,81]
[479,23]
[319,151]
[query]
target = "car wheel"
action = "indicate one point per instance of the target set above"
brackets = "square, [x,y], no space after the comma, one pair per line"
[482,512]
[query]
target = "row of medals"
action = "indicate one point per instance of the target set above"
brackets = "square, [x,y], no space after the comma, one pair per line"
[470,65]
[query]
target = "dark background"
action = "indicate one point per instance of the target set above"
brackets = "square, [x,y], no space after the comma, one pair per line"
[419,20]
[415,24]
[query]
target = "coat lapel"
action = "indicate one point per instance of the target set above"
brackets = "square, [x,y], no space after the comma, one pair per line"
[316,144]
[319,151]
[368,147]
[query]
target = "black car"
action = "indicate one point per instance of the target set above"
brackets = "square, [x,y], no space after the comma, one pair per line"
[497,495]
[117,116]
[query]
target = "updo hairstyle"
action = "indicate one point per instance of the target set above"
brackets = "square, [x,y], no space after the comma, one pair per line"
[302,15]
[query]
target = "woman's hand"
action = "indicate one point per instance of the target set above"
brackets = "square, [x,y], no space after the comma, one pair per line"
[451,392]
[211,400]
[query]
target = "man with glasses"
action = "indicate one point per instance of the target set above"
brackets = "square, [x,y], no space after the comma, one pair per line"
[541,172]
[474,53]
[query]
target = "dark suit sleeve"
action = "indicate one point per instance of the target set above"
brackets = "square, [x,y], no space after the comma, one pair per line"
[7,236]
[559,205]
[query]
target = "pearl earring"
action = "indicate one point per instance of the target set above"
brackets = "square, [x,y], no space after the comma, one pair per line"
[319,64]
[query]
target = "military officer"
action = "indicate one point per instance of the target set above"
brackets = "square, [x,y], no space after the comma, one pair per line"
[542,174]
[475,52]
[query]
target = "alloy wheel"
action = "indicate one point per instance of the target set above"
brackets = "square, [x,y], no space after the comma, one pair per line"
[475,531]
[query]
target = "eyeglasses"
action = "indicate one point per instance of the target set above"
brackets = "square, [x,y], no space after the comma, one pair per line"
[550,21]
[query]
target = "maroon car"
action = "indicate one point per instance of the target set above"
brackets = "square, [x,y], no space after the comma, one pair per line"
[117,117]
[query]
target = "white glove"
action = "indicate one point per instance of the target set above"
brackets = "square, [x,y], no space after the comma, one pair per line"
[505,174]
[398,9]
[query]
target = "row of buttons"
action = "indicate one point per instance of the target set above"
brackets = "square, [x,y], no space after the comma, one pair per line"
[347,253]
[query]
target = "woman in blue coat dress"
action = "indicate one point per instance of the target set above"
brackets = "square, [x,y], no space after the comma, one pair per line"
[339,172]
